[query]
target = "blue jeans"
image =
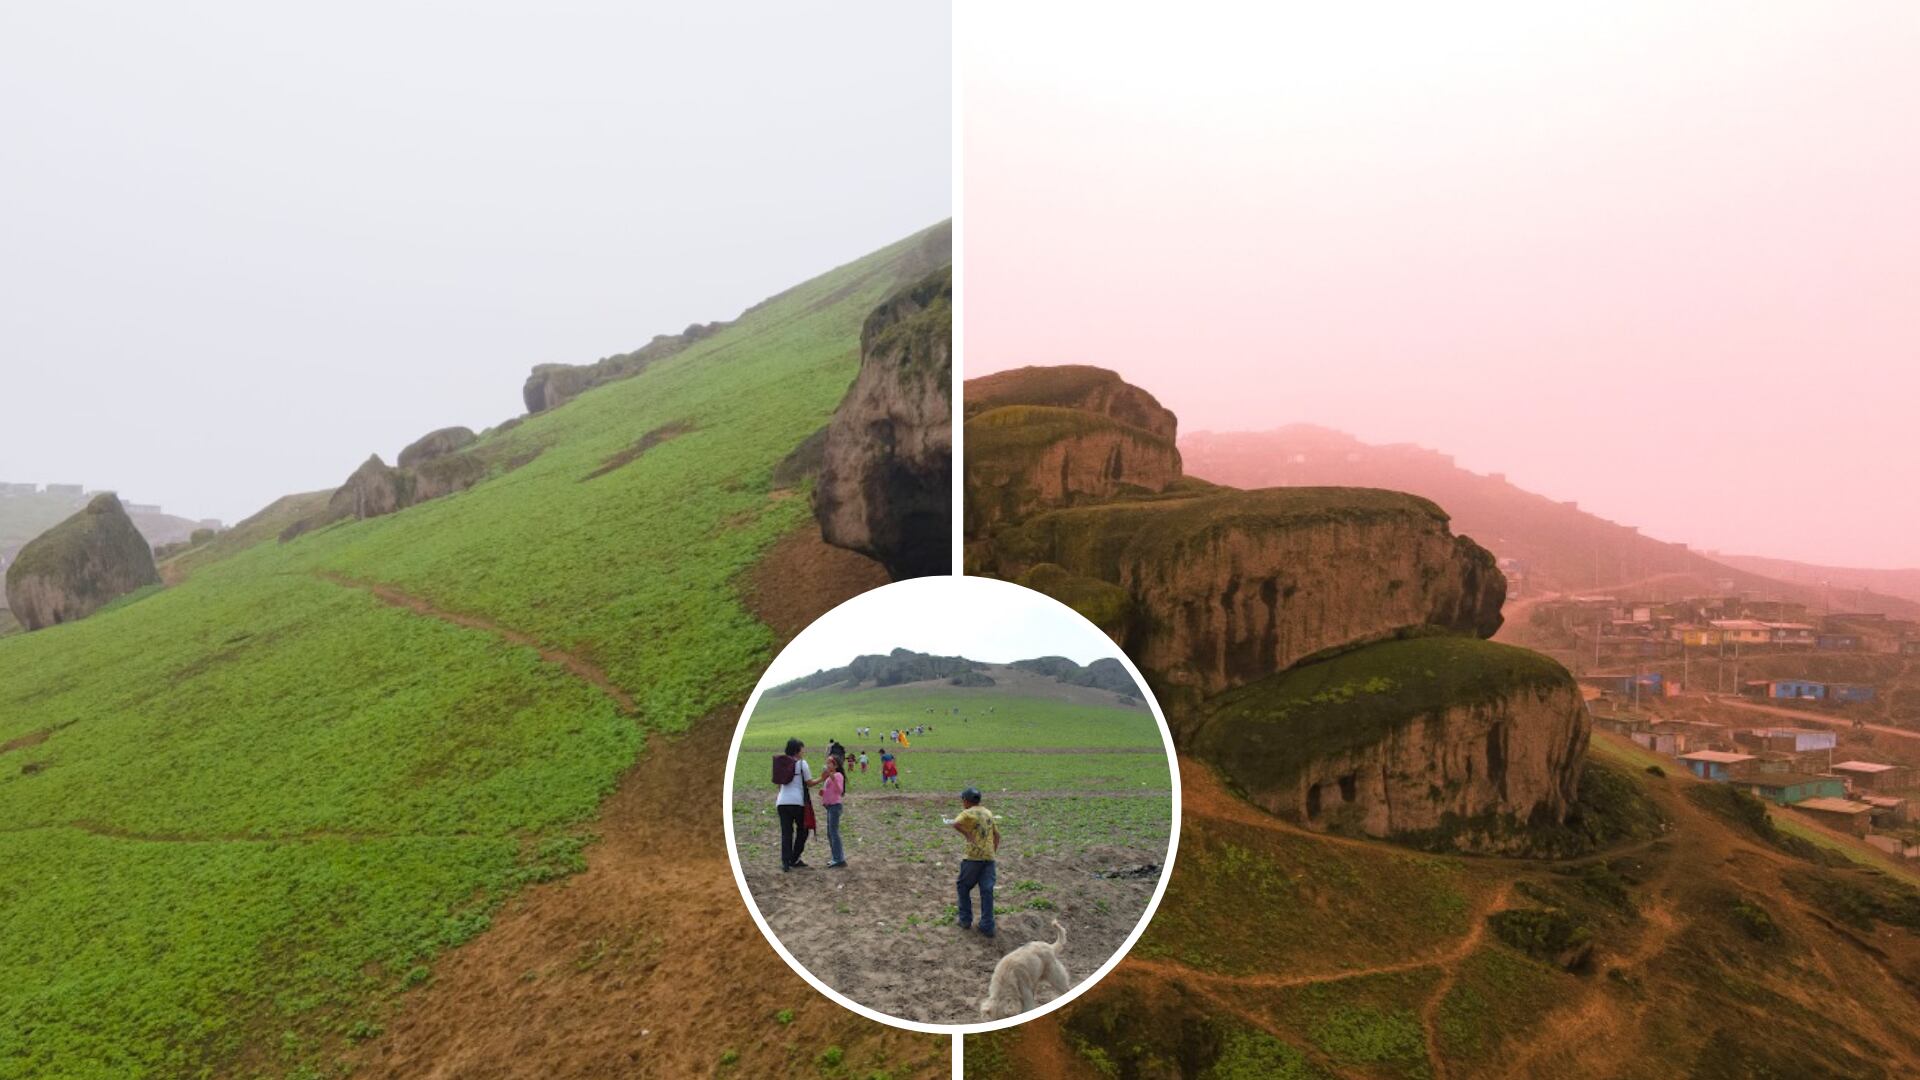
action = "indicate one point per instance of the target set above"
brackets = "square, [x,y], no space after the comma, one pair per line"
[833,832]
[976,872]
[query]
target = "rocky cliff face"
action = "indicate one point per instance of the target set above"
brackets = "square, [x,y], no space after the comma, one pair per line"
[1230,601]
[1453,742]
[1242,584]
[79,566]
[1021,458]
[886,472]
[553,385]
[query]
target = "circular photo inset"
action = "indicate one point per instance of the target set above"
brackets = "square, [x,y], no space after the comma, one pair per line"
[953,804]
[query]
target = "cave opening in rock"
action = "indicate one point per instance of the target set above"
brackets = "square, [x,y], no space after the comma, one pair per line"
[1313,802]
[1349,787]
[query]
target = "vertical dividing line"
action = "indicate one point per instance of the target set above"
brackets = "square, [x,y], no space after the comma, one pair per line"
[959,1056]
[959,318]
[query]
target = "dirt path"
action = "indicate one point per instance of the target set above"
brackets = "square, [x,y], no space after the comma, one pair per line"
[645,964]
[581,667]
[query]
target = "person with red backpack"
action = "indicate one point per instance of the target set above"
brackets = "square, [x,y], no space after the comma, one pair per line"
[793,776]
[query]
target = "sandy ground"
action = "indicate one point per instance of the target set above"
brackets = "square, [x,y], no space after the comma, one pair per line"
[882,930]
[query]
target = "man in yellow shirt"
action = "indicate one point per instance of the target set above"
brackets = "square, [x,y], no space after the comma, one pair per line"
[982,832]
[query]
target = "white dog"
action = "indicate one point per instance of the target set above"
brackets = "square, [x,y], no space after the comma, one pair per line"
[1022,972]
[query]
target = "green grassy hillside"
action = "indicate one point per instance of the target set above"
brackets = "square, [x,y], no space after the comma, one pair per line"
[243,811]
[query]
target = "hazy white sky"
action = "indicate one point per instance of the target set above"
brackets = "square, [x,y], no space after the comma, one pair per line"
[978,618]
[244,245]
[1658,257]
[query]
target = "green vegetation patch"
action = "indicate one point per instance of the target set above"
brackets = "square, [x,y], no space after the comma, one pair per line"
[1246,900]
[1099,540]
[1265,734]
[1105,605]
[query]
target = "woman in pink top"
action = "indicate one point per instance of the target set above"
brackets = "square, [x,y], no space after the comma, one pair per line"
[832,789]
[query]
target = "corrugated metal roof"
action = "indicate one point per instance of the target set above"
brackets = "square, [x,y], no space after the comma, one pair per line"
[1718,757]
[1864,766]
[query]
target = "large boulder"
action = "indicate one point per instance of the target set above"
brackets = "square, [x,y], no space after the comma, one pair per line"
[1455,742]
[1022,458]
[436,444]
[79,566]
[1080,387]
[1238,585]
[886,472]
[374,489]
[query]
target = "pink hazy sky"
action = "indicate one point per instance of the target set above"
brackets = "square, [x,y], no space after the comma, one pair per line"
[1660,258]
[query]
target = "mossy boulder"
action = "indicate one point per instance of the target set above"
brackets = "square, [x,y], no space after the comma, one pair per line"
[436,444]
[1080,387]
[1226,587]
[885,480]
[79,566]
[375,488]
[1025,458]
[1102,603]
[1424,736]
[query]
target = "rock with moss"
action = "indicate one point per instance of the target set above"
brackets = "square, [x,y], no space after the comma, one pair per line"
[375,488]
[79,566]
[436,444]
[1102,603]
[1232,586]
[1024,458]
[1079,387]
[1466,740]
[553,385]
[885,480]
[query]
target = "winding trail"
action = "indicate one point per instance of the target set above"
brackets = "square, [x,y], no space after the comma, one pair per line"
[582,668]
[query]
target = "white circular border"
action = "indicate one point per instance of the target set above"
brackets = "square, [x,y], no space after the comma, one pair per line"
[1153,904]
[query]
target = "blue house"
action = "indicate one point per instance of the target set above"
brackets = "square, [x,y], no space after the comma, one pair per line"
[1718,764]
[1850,693]
[1789,689]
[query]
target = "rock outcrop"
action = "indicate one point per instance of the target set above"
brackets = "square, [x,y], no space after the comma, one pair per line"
[886,473]
[79,566]
[374,489]
[1451,741]
[553,385]
[1080,387]
[436,444]
[1249,612]
[1021,458]
[1242,584]
[897,667]
[1105,673]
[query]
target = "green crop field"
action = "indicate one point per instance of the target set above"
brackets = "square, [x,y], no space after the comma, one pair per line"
[243,812]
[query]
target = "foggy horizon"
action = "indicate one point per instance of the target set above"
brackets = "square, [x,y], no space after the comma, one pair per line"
[245,250]
[1652,258]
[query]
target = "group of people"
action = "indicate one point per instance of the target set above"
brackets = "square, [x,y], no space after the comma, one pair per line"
[794,780]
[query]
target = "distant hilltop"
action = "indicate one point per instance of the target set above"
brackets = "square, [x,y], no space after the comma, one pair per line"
[902,667]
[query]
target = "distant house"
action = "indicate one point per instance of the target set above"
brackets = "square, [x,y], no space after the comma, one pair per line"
[1791,789]
[1894,845]
[1743,631]
[1888,811]
[1698,635]
[1651,684]
[70,490]
[143,508]
[1793,739]
[1670,743]
[1871,775]
[1790,633]
[1837,642]
[1837,813]
[1849,693]
[1718,764]
[1787,689]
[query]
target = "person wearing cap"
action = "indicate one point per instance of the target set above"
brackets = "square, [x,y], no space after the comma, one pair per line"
[982,833]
